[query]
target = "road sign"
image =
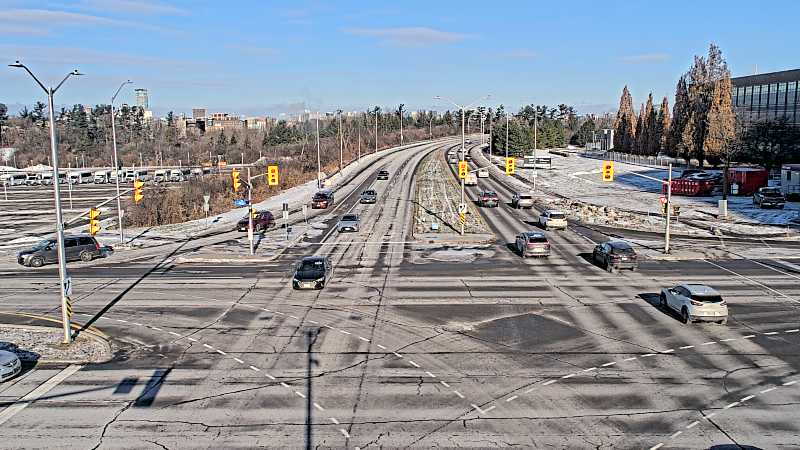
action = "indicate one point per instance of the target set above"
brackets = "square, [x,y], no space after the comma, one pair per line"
[240,202]
[68,286]
[462,208]
[462,218]
[662,199]
[206,206]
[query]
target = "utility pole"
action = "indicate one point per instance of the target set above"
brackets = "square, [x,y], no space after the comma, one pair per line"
[64,280]
[430,125]
[116,161]
[319,160]
[359,142]
[506,134]
[376,130]
[341,141]
[491,134]
[400,110]
[669,207]
[250,210]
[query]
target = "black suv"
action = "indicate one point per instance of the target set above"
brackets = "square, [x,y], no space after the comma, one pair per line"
[383,175]
[766,197]
[615,255]
[78,247]
[312,273]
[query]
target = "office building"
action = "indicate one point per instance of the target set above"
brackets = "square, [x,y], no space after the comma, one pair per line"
[767,96]
[199,113]
[142,99]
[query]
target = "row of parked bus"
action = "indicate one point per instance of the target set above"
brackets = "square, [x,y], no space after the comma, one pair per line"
[102,176]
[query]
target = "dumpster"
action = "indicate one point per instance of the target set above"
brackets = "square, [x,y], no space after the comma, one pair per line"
[747,180]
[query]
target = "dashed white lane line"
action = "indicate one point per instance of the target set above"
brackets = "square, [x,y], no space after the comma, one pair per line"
[285,385]
[570,375]
[221,352]
[344,433]
[363,338]
[685,347]
[771,333]
[334,420]
[319,408]
[430,374]
[708,416]
[547,383]
[208,346]
[608,364]
[255,368]
[459,394]
[238,360]
[752,281]
[628,359]
[413,363]
[589,369]
[174,334]
[397,354]
[344,332]
[793,330]
[444,383]
[709,343]
[381,347]
[156,328]
[192,339]
[300,394]
[512,398]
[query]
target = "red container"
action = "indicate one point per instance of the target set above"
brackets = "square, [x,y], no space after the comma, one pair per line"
[698,188]
[748,179]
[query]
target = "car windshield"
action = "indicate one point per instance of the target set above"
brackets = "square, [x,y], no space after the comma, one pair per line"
[489,194]
[320,197]
[349,218]
[536,239]
[770,193]
[369,192]
[525,196]
[312,265]
[622,250]
[707,298]
[41,244]
[557,216]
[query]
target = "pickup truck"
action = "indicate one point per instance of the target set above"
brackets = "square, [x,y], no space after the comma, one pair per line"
[769,197]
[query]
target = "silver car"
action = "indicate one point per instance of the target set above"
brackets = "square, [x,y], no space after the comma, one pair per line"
[9,365]
[695,302]
[348,222]
[522,200]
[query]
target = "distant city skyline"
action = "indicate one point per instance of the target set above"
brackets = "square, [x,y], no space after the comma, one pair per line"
[322,56]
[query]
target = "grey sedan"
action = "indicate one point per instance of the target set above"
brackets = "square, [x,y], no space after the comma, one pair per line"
[9,365]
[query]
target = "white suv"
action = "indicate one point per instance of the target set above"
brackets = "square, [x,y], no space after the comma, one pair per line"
[553,219]
[695,302]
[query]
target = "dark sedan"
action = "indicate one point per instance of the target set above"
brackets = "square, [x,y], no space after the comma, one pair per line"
[615,255]
[312,273]
[262,220]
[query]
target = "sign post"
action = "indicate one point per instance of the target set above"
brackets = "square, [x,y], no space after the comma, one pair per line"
[206,206]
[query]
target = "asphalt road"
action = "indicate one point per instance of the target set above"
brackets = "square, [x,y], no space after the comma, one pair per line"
[412,346]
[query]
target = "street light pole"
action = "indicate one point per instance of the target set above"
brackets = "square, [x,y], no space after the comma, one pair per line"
[506,134]
[341,141]
[116,162]
[62,262]
[376,130]
[669,207]
[319,160]
[400,110]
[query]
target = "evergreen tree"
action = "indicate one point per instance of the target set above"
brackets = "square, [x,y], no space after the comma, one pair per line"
[233,139]
[222,142]
[663,128]
[520,138]
[625,124]
[643,127]
[680,120]
[3,119]
[720,120]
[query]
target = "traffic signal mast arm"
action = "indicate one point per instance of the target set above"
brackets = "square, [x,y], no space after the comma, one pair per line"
[86,212]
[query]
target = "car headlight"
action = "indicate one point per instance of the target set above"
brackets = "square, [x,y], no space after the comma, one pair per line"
[320,280]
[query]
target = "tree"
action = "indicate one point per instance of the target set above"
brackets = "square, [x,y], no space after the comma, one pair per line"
[38,113]
[641,130]
[584,134]
[3,119]
[720,121]
[680,121]
[520,138]
[625,124]
[222,142]
[663,127]
[771,143]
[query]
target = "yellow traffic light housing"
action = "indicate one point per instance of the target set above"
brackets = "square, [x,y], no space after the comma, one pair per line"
[608,170]
[94,221]
[138,195]
[237,183]
[463,169]
[272,175]
[511,165]
[253,212]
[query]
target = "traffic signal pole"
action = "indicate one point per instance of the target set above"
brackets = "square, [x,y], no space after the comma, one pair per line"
[669,200]
[250,211]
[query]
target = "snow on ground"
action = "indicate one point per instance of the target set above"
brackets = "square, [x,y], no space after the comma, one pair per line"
[578,178]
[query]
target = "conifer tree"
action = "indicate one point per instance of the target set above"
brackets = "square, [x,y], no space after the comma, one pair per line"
[625,124]
[663,128]
[680,119]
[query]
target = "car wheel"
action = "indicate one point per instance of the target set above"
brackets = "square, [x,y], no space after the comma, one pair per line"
[723,321]
[86,256]
[37,262]
[634,268]
[685,315]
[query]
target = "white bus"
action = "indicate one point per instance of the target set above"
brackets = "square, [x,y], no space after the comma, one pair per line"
[13,179]
[80,177]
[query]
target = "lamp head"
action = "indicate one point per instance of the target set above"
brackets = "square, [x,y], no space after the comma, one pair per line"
[16,64]
[76,73]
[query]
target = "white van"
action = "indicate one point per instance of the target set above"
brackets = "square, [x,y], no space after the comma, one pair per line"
[13,179]
[471,180]
[80,177]
[160,176]
[33,179]
[102,176]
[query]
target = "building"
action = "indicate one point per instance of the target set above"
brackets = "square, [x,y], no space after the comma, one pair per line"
[767,96]
[605,138]
[225,121]
[257,123]
[142,99]
[199,113]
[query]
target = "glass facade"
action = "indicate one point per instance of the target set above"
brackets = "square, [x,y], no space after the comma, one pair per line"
[767,97]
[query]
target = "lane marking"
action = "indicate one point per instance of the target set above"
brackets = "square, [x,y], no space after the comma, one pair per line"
[208,346]
[270,377]
[657,446]
[430,374]
[709,343]
[156,328]
[221,352]
[285,385]
[608,364]
[792,331]
[413,363]
[789,383]
[174,333]
[744,399]
[728,340]
[344,332]
[752,281]
[381,347]
[589,369]
[458,394]
[767,390]
[547,383]
[647,355]
[771,333]
[512,398]
[568,376]
[749,336]
[38,393]
[344,433]
[731,405]
[363,338]
[333,419]
[668,351]
[627,359]
[192,339]
[692,425]
[238,360]
[299,394]
[397,354]
[443,383]
[675,434]
[255,368]
[320,408]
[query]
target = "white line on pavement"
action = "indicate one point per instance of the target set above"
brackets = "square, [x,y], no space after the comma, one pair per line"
[37,393]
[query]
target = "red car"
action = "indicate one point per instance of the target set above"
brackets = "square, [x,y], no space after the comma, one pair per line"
[322,200]
[489,199]
[263,221]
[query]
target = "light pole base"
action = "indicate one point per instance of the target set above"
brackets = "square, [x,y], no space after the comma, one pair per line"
[723,209]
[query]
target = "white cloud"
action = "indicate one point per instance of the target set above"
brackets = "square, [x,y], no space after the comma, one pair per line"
[518,54]
[45,19]
[409,36]
[132,6]
[645,58]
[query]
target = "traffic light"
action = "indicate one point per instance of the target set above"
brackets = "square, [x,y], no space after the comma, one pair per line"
[608,170]
[511,165]
[236,182]
[138,185]
[253,212]
[94,221]
[463,169]
[272,175]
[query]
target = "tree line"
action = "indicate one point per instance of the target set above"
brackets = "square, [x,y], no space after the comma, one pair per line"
[703,123]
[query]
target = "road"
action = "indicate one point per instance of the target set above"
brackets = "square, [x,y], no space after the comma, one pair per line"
[416,347]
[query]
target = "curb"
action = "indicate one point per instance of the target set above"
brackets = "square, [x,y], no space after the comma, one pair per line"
[94,334]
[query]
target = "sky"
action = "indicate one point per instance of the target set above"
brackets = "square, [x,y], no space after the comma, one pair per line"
[269,57]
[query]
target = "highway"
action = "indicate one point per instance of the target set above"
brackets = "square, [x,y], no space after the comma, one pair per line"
[414,345]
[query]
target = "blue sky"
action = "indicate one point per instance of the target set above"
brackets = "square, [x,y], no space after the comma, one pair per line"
[256,57]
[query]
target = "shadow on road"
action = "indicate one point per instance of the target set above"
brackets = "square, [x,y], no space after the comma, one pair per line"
[652,298]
